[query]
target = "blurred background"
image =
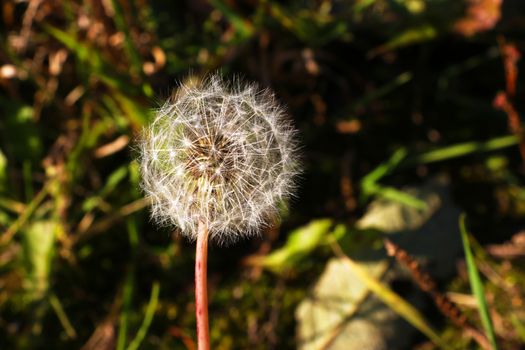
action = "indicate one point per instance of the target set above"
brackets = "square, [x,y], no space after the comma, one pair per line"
[407,229]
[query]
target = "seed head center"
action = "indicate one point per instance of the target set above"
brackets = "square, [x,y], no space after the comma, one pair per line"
[210,158]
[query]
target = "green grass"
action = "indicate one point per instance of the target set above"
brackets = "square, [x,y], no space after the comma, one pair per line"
[477,285]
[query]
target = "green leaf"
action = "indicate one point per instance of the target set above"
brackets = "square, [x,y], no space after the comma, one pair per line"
[299,244]
[38,250]
[476,285]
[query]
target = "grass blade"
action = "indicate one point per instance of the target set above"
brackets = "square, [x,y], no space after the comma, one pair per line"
[126,309]
[463,149]
[22,219]
[127,293]
[477,285]
[62,316]
[370,183]
[519,327]
[150,311]
[383,90]
[299,244]
[129,47]
[392,299]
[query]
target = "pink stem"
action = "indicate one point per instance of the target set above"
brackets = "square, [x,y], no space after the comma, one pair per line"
[201,288]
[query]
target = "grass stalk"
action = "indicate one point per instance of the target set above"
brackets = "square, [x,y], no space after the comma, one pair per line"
[148,317]
[391,299]
[62,316]
[477,285]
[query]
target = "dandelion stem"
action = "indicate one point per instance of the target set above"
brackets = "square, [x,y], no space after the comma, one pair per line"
[201,287]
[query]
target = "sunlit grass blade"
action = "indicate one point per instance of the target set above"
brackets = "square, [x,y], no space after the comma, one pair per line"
[396,195]
[127,293]
[83,52]
[12,205]
[300,243]
[118,214]
[126,309]
[519,327]
[148,318]
[371,187]
[408,37]
[383,90]
[62,316]
[385,168]
[113,180]
[137,114]
[467,65]
[370,183]
[93,62]
[476,285]
[22,219]
[392,299]
[462,149]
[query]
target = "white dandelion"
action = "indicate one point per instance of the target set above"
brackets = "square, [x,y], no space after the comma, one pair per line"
[216,162]
[223,154]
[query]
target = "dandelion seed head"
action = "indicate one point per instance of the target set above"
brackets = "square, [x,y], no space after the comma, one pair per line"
[221,153]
